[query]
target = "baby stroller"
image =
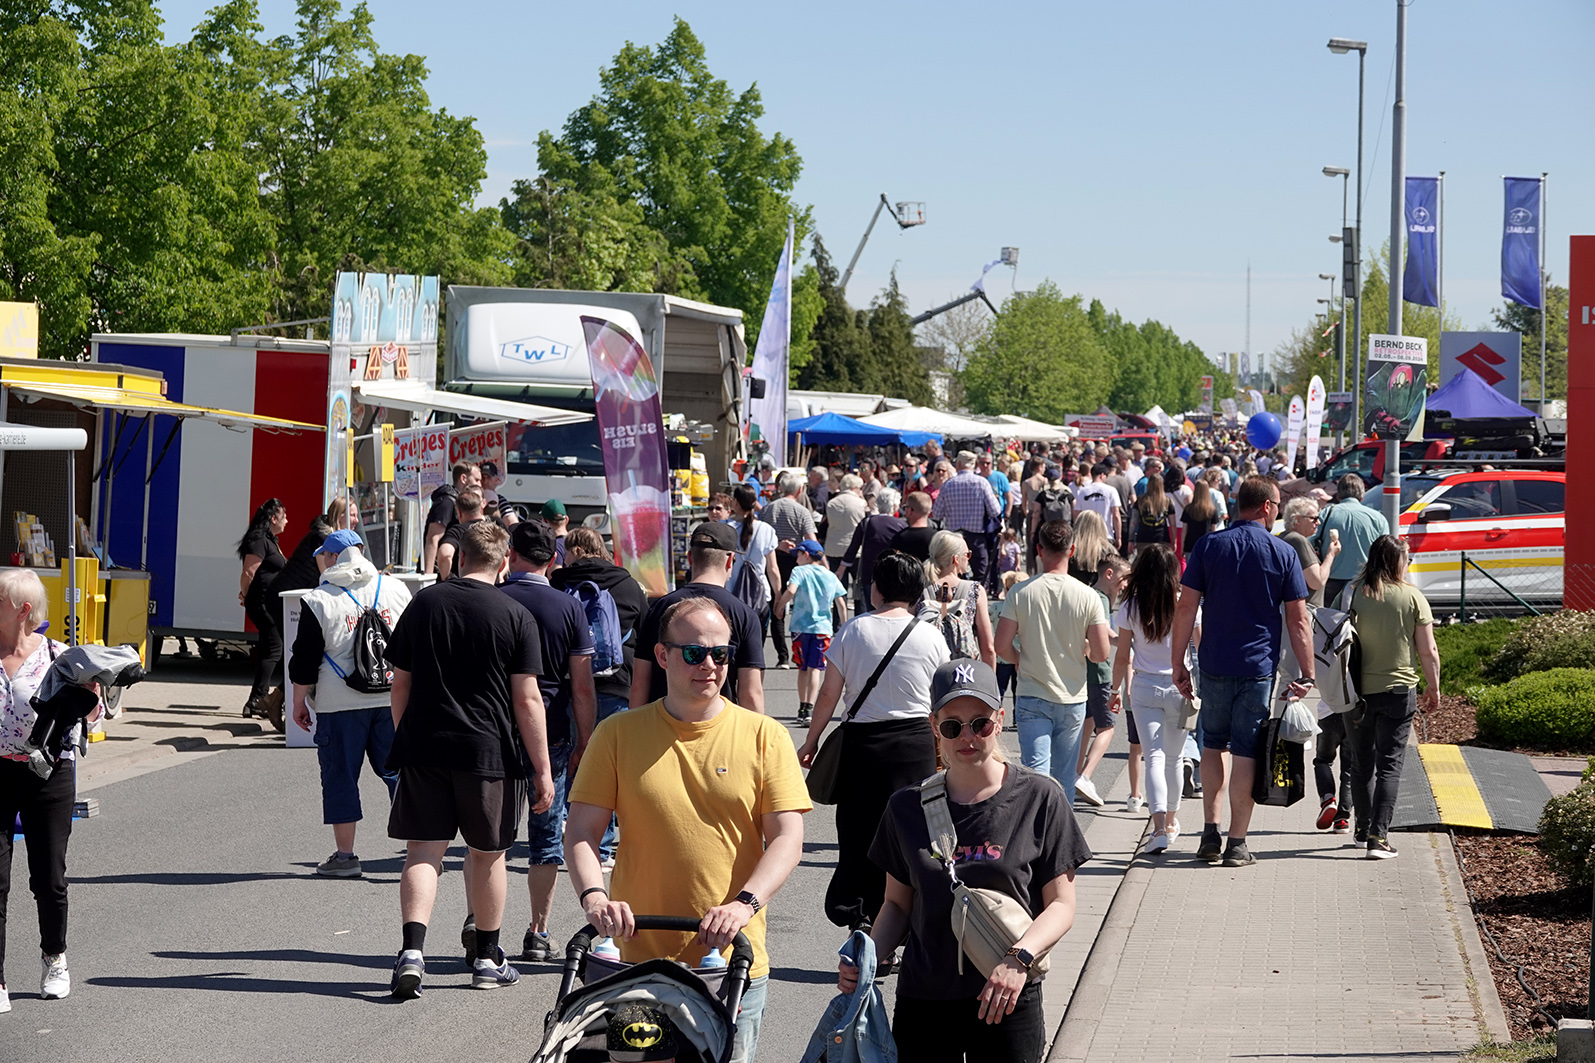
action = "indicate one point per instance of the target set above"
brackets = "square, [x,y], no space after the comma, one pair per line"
[702,1004]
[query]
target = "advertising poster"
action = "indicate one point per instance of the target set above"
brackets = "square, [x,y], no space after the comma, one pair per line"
[420,461]
[1338,411]
[477,443]
[1093,427]
[1315,419]
[1394,389]
[631,427]
[1207,394]
[1496,356]
[1293,423]
[19,330]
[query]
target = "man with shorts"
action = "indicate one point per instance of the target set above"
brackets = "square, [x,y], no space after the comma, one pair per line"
[1245,575]
[810,590]
[710,799]
[466,708]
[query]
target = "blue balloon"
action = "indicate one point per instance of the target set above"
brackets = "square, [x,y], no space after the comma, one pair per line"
[1263,431]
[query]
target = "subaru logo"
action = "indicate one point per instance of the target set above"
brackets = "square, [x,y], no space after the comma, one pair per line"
[534,349]
[1420,215]
[1520,216]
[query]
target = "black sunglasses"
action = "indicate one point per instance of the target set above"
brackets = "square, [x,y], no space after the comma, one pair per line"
[980,727]
[694,654]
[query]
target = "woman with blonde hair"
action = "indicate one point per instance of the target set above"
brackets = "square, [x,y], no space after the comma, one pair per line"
[1091,545]
[954,604]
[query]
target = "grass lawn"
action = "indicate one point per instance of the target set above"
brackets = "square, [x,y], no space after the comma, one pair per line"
[1464,649]
[1540,1049]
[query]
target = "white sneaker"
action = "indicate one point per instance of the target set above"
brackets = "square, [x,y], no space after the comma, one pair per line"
[1088,791]
[1158,843]
[5,1001]
[1173,831]
[1133,804]
[55,982]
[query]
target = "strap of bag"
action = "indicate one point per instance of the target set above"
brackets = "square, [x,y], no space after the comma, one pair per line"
[939,821]
[339,672]
[879,670]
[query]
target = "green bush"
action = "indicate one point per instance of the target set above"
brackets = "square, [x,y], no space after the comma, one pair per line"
[1466,648]
[1567,832]
[1541,710]
[1539,643]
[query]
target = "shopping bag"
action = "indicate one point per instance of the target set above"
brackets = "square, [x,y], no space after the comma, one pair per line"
[1281,768]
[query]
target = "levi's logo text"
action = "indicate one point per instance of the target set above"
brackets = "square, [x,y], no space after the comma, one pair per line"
[966,854]
[534,349]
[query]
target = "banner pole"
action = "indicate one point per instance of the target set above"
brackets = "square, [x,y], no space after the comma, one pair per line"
[1439,255]
[1545,314]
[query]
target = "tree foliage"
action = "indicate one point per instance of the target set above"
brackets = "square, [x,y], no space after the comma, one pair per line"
[1153,366]
[1514,318]
[870,351]
[1042,359]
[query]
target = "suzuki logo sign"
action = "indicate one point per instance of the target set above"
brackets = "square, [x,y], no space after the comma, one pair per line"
[1483,361]
[534,349]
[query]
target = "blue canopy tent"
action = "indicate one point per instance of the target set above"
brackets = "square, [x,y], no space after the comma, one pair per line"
[835,430]
[1467,397]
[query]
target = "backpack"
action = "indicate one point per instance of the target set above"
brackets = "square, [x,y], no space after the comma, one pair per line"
[371,673]
[1054,503]
[603,620]
[955,619]
[1337,654]
[744,585]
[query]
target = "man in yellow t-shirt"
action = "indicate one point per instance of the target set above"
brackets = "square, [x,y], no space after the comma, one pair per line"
[710,801]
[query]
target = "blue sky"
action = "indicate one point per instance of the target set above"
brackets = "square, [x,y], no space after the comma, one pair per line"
[1140,153]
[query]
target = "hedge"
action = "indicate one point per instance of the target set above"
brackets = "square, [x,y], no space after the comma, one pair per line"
[1542,710]
[1567,831]
[1564,639]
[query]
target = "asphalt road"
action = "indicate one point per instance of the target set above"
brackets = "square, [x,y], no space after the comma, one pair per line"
[199,931]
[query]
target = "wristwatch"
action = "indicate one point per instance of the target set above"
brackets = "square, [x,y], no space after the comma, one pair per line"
[751,901]
[1025,957]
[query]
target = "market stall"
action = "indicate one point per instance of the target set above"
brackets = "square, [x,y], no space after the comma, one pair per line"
[925,419]
[834,429]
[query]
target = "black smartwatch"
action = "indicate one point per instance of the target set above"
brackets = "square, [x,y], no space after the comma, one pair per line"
[750,900]
[1025,957]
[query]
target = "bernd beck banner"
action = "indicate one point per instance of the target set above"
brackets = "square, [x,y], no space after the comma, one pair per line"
[631,427]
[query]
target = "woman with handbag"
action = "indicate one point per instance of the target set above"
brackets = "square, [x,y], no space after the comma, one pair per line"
[879,667]
[1145,623]
[970,988]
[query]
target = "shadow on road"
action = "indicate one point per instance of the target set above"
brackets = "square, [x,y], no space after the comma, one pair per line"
[238,982]
[180,878]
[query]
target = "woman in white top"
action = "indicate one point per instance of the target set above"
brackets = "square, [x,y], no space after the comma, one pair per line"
[756,543]
[886,744]
[1145,622]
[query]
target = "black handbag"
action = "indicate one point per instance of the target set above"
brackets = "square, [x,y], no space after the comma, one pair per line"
[1281,777]
[825,771]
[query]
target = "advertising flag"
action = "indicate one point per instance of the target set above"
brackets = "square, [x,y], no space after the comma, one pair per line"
[1257,402]
[768,414]
[1339,410]
[1207,394]
[1246,368]
[1315,419]
[1394,389]
[1293,423]
[1520,241]
[1421,283]
[631,428]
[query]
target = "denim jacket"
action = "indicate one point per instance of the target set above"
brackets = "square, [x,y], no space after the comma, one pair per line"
[854,1028]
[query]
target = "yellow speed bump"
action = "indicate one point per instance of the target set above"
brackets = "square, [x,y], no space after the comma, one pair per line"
[1456,795]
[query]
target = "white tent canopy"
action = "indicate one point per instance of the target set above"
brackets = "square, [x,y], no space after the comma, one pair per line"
[1025,430]
[925,419]
[1158,415]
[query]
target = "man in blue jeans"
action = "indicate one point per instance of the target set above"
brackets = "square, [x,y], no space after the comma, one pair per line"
[1245,581]
[1051,626]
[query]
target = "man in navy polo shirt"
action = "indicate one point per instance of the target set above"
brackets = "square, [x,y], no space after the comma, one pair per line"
[1239,578]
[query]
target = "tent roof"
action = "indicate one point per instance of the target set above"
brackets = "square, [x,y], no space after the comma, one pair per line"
[833,428]
[1466,395]
[1026,430]
[925,419]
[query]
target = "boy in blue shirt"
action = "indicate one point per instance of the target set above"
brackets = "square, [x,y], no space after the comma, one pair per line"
[810,590]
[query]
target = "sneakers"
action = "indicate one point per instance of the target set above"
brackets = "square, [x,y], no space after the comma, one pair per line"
[55,982]
[1326,813]
[1188,769]
[1212,845]
[536,947]
[1342,826]
[339,866]
[408,971]
[785,666]
[1173,831]
[468,939]
[1237,855]
[1158,844]
[1087,791]
[607,863]
[1360,837]
[1381,849]
[5,1001]
[1132,804]
[805,714]
[485,974]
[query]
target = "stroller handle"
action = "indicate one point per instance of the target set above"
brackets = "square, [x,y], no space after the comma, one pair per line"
[737,970]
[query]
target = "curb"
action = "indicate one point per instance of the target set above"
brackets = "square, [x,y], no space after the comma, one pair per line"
[1486,1000]
[1089,1002]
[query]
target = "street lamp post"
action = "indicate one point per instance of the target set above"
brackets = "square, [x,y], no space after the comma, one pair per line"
[1340,46]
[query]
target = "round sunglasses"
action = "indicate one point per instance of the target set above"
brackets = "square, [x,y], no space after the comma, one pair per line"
[694,654]
[980,727]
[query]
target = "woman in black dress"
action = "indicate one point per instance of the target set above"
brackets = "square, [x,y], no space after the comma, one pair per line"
[262,559]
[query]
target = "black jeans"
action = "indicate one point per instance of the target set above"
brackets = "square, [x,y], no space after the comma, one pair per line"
[951,1031]
[980,559]
[1378,734]
[46,809]
[784,563]
[1332,738]
[268,649]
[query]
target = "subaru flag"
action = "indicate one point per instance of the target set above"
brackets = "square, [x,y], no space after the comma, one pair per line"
[770,355]
[1520,241]
[1420,283]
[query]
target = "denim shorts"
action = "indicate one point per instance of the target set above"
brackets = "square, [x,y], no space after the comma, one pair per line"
[1233,711]
[1096,704]
[545,831]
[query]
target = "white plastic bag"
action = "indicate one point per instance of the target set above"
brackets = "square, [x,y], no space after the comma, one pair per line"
[1297,722]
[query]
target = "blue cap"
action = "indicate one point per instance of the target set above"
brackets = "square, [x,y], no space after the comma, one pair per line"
[338,542]
[812,547]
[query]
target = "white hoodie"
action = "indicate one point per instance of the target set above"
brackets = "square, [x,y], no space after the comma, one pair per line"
[347,589]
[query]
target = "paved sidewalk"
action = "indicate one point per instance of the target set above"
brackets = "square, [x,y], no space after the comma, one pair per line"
[1314,951]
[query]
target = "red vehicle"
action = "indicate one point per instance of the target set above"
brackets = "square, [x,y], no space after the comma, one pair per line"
[1367,459]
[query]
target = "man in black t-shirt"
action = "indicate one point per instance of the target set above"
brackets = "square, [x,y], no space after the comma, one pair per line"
[441,513]
[466,710]
[468,511]
[914,540]
[712,551]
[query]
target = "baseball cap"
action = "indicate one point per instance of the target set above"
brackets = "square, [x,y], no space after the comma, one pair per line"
[964,678]
[812,547]
[715,534]
[1054,473]
[338,542]
[533,540]
[553,509]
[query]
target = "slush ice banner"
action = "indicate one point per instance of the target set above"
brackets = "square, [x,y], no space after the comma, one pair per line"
[1520,241]
[631,427]
[1315,419]
[1394,389]
[1339,408]
[1293,423]
[1421,282]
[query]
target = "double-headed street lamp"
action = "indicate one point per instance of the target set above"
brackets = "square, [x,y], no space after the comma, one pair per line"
[1341,46]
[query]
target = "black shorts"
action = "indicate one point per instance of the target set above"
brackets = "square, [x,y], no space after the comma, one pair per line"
[1096,704]
[435,804]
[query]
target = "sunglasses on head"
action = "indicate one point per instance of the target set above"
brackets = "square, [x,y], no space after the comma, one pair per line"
[694,654]
[980,727]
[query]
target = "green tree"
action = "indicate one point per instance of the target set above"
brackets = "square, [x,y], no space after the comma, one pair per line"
[1043,359]
[898,361]
[587,240]
[1514,318]
[839,356]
